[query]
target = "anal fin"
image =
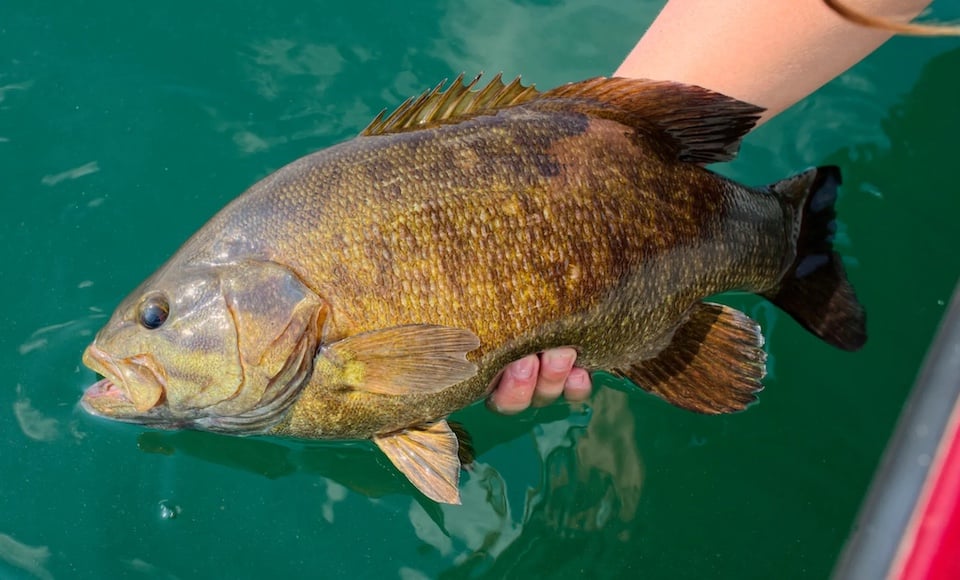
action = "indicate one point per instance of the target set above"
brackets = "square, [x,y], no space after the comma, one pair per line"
[428,456]
[713,364]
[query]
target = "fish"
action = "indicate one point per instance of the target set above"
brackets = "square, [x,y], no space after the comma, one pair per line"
[369,290]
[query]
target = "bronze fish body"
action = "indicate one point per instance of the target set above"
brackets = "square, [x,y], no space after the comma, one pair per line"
[369,290]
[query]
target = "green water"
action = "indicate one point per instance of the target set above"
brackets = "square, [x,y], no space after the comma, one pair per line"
[125,125]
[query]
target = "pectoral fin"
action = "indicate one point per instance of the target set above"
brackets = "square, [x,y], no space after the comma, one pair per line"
[403,360]
[713,364]
[428,457]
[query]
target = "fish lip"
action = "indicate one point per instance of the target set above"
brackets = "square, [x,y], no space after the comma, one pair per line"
[100,362]
[104,388]
[111,396]
[158,417]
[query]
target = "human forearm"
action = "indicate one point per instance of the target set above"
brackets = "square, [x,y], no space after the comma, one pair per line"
[771,53]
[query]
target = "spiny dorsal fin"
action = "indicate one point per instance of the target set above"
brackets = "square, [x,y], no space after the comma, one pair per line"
[455,103]
[703,126]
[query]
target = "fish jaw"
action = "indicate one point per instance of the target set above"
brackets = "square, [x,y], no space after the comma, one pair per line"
[132,389]
[105,399]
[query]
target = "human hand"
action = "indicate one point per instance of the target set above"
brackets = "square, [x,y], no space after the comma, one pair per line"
[539,380]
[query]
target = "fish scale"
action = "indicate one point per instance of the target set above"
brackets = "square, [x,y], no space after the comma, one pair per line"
[379,285]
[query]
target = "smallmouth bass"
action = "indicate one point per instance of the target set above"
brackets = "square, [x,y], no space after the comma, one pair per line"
[370,289]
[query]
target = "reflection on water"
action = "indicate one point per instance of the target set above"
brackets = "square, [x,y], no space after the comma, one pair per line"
[264,458]
[298,78]
[591,479]
[588,496]
[533,38]
[31,559]
[3,96]
[49,422]
[76,172]
[278,60]
[146,569]
[298,75]
[591,476]
[33,423]
[336,493]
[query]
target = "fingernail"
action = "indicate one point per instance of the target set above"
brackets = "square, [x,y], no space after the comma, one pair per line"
[523,368]
[577,380]
[559,361]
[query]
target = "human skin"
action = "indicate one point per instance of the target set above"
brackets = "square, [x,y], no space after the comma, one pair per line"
[771,53]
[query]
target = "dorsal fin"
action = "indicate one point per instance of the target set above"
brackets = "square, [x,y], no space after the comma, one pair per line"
[703,126]
[457,102]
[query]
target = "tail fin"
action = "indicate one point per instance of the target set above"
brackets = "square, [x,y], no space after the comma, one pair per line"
[815,290]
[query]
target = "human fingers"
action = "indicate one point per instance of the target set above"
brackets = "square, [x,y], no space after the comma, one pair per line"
[555,367]
[517,383]
[578,385]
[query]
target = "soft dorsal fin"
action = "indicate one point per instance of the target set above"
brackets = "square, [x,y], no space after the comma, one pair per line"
[703,126]
[455,103]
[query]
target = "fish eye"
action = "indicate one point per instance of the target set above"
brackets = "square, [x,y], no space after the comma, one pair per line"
[153,312]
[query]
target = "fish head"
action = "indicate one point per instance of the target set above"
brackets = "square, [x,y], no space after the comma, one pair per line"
[220,348]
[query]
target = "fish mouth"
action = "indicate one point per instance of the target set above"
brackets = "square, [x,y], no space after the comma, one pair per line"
[132,389]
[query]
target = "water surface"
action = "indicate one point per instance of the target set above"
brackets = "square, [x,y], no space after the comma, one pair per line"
[124,126]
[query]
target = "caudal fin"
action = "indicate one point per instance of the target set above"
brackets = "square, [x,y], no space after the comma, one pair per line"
[815,290]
